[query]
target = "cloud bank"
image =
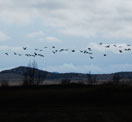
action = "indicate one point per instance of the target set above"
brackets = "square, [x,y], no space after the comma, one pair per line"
[87,18]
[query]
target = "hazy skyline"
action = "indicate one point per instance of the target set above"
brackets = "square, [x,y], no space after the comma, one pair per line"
[73,24]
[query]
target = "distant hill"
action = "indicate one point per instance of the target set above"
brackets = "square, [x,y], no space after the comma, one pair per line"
[17,74]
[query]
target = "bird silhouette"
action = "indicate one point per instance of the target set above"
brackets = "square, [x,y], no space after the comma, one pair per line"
[15,53]
[6,53]
[24,48]
[120,51]
[89,49]
[73,51]
[56,51]
[35,53]
[91,57]
[61,50]
[40,55]
[36,49]
[108,46]
[53,52]
[85,52]
[27,55]
[90,53]
[81,51]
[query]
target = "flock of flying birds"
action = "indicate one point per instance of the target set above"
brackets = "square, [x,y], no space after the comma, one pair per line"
[39,52]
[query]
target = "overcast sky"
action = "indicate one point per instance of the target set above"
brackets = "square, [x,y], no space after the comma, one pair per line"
[72,24]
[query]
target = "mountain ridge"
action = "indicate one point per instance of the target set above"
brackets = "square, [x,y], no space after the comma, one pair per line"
[18,74]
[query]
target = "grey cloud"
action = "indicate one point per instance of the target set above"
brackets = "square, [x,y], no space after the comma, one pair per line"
[77,17]
[49,5]
[38,4]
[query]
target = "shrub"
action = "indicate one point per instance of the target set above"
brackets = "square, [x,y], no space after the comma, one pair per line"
[66,81]
[4,83]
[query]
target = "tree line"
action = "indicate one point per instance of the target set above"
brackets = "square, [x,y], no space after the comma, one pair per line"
[33,76]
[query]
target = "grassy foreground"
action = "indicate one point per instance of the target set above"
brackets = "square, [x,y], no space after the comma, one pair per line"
[72,103]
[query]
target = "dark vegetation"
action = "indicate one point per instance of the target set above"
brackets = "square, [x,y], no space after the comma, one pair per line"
[4,83]
[110,101]
[66,103]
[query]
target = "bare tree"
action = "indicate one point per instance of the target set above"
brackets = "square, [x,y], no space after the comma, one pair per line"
[32,67]
[33,76]
[89,78]
[94,79]
[116,78]
[40,77]
[26,79]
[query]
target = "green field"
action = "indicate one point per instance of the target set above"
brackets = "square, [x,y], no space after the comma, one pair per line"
[71,103]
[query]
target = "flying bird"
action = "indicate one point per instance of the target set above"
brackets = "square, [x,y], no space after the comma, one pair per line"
[53,52]
[27,55]
[127,49]
[73,51]
[15,53]
[24,48]
[40,55]
[107,46]
[85,52]
[89,49]
[36,49]
[35,53]
[120,51]
[91,57]
[6,53]
[90,53]
[61,50]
